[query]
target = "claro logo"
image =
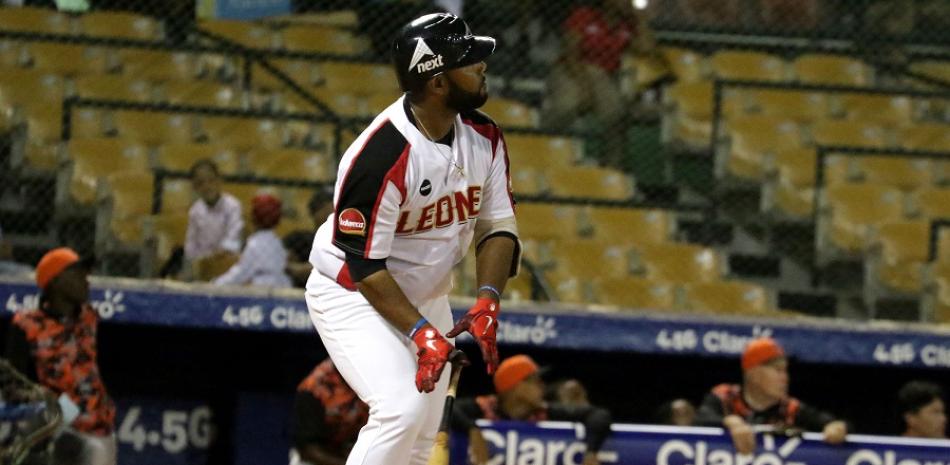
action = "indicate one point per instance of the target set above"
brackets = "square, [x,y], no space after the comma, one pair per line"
[683,453]
[515,450]
[888,457]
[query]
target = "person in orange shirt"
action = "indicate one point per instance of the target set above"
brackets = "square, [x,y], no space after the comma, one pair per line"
[55,346]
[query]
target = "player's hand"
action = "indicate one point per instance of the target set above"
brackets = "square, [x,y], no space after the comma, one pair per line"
[835,432]
[482,322]
[477,447]
[743,438]
[590,458]
[434,351]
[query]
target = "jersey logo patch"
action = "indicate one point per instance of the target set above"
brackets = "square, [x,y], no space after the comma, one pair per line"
[351,221]
[426,187]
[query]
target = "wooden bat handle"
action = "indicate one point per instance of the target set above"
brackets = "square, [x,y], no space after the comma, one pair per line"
[440,449]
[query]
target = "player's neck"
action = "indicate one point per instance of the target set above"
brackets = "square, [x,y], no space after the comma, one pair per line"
[758,400]
[436,119]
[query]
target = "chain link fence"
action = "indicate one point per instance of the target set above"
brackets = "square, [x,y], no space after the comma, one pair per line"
[744,157]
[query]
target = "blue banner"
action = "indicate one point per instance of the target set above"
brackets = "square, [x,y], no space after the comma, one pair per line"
[807,339]
[162,431]
[562,444]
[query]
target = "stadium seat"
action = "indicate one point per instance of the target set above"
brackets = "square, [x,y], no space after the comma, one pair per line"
[691,117]
[743,65]
[94,159]
[25,90]
[635,293]
[27,19]
[44,128]
[936,69]
[378,102]
[291,164]
[318,39]
[804,107]
[831,70]
[848,133]
[245,192]
[906,174]
[728,297]
[180,157]
[86,123]
[889,110]
[244,33]
[541,152]
[630,226]
[163,233]
[898,252]
[356,78]
[925,136]
[245,134]
[518,289]
[130,199]
[302,72]
[158,65]
[177,196]
[678,263]
[344,104]
[66,59]
[753,139]
[201,93]
[686,65]
[590,259]
[931,203]
[526,180]
[846,216]
[589,182]
[113,87]
[117,24]
[510,113]
[791,191]
[568,288]
[154,128]
[547,221]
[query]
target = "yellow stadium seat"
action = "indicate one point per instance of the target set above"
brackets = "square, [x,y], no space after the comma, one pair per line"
[831,69]
[165,232]
[753,139]
[158,65]
[541,152]
[892,110]
[568,287]
[245,134]
[28,89]
[686,65]
[518,289]
[526,180]
[245,192]
[113,87]
[378,102]
[201,93]
[932,203]
[925,136]
[936,69]
[791,193]
[635,293]
[26,19]
[629,226]
[804,107]
[357,78]
[547,221]
[850,133]
[66,59]
[743,65]
[94,159]
[589,182]
[154,128]
[589,259]
[177,196]
[851,210]
[244,33]
[320,39]
[344,104]
[303,73]
[120,25]
[691,118]
[729,297]
[42,144]
[291,164]
[510,113]
[180,157]
[941,294]
[87,123]
[131,200]
[906,174]
[899,251]
[679,263]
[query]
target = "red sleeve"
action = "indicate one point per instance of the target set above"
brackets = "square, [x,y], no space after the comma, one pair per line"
[579,19]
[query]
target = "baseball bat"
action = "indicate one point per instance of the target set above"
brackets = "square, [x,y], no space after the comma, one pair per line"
[440,449]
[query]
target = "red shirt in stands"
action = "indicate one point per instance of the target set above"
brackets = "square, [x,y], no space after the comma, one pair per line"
[600,44]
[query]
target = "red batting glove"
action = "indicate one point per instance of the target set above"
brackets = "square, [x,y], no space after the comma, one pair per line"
[482,321]
[434,351]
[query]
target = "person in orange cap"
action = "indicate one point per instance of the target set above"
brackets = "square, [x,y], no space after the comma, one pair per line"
[763,399]
[55,346]
[264,259]
[519,395]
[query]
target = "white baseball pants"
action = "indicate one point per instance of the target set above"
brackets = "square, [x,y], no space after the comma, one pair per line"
[379,363]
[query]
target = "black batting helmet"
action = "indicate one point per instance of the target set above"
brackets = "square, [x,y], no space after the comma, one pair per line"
[433,44]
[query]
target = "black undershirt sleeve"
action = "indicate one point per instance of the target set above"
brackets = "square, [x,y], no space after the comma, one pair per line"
[361,267]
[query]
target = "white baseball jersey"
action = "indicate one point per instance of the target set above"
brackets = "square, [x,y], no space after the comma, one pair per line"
[400,197]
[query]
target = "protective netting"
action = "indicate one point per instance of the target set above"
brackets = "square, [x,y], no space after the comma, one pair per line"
[29,416]
[733,156]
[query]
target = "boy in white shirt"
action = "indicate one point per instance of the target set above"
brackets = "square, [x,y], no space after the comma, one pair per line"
[264,258]
[214,220]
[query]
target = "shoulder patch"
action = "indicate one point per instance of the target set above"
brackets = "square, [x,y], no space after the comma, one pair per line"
[352,222]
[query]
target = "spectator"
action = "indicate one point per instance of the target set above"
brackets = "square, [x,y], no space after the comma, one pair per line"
[762,399]
[677,412]
[595,39]
[214,220]
[328,416]
[520,396]
[569,392]
[922,409]
[264,259]
[55,346]
[298,243]
[7,264]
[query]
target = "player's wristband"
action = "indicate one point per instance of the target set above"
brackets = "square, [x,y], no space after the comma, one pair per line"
[491,289]
[419,324]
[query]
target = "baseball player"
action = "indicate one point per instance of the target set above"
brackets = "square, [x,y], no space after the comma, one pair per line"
[427,179]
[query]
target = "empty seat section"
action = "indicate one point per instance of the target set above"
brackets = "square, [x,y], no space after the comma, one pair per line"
[679,263]
[291,164]
[753,139]
[635,293]
[728,297]
[743,65]
[117,24]
[629,226]
[589,182]
[94,159]
[547,221]
[850,214]
[154,128]
[181,157]
[831,70]
[510,113]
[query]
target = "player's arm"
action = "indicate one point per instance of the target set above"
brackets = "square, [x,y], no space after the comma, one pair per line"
[375,282]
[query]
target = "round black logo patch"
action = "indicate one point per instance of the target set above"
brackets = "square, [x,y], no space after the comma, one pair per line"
[426,187]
